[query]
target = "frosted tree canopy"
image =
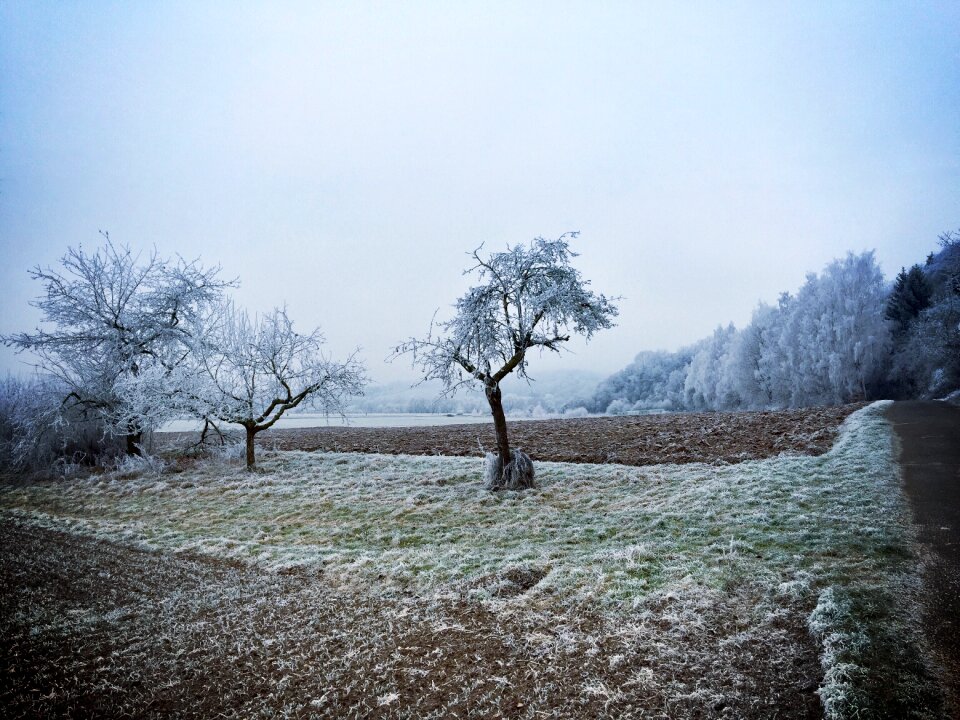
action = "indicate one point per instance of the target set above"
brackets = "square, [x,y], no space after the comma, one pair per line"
[526,297]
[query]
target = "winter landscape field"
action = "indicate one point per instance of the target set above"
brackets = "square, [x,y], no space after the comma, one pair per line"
[363,585]
[426,360]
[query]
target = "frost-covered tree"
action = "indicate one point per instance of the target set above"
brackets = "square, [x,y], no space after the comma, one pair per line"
[704,387]
[741,383]
[910,295]
[653,381]
[943,267]
[527,297]
[926,360]
[251,371]
[830,343]
[112,317]
[942,318]
[38,432]
[838,337]
[773,369]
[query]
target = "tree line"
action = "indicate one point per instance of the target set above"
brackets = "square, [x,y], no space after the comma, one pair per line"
[132,342]
[845,335]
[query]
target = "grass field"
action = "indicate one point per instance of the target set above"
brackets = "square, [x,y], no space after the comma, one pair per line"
[784,587]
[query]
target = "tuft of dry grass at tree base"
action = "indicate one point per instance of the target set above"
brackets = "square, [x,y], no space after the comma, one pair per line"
[356,585]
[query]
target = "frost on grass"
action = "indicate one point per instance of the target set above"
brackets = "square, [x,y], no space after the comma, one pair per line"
[706,567]
[871,654]
[611,533]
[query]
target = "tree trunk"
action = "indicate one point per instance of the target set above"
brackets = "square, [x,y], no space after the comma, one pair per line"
[512,470]
[492,392]
[251,460]
[134,439]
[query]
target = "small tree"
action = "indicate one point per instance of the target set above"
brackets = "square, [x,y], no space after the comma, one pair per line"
[528,297]
[112,320]
[250,372]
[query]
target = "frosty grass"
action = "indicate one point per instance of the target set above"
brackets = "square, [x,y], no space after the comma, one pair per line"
[811,532]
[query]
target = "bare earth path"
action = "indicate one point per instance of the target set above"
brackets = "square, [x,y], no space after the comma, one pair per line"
[929,434]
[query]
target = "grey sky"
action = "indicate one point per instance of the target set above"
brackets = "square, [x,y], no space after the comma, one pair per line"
[344,157]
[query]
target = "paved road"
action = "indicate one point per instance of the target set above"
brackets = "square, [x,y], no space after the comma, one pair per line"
[929,434]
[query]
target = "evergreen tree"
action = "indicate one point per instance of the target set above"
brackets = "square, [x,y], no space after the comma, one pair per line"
[910,295]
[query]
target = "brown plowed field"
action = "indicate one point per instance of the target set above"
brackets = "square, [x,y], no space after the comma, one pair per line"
[726,437]
[98,629]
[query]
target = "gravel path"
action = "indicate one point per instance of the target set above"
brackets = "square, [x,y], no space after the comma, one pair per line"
[929,434]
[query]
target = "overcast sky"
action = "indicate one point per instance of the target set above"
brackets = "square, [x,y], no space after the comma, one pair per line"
[344,157]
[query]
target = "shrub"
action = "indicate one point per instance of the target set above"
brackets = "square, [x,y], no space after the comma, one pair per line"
[41,430]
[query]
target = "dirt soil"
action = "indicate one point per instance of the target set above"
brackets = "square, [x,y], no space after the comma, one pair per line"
[724,437]
[93,628]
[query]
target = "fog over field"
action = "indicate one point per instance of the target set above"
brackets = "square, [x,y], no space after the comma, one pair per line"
[345,158]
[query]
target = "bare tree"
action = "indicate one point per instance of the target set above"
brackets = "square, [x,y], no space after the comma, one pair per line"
[528,297]
[114,319]
[251,371]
